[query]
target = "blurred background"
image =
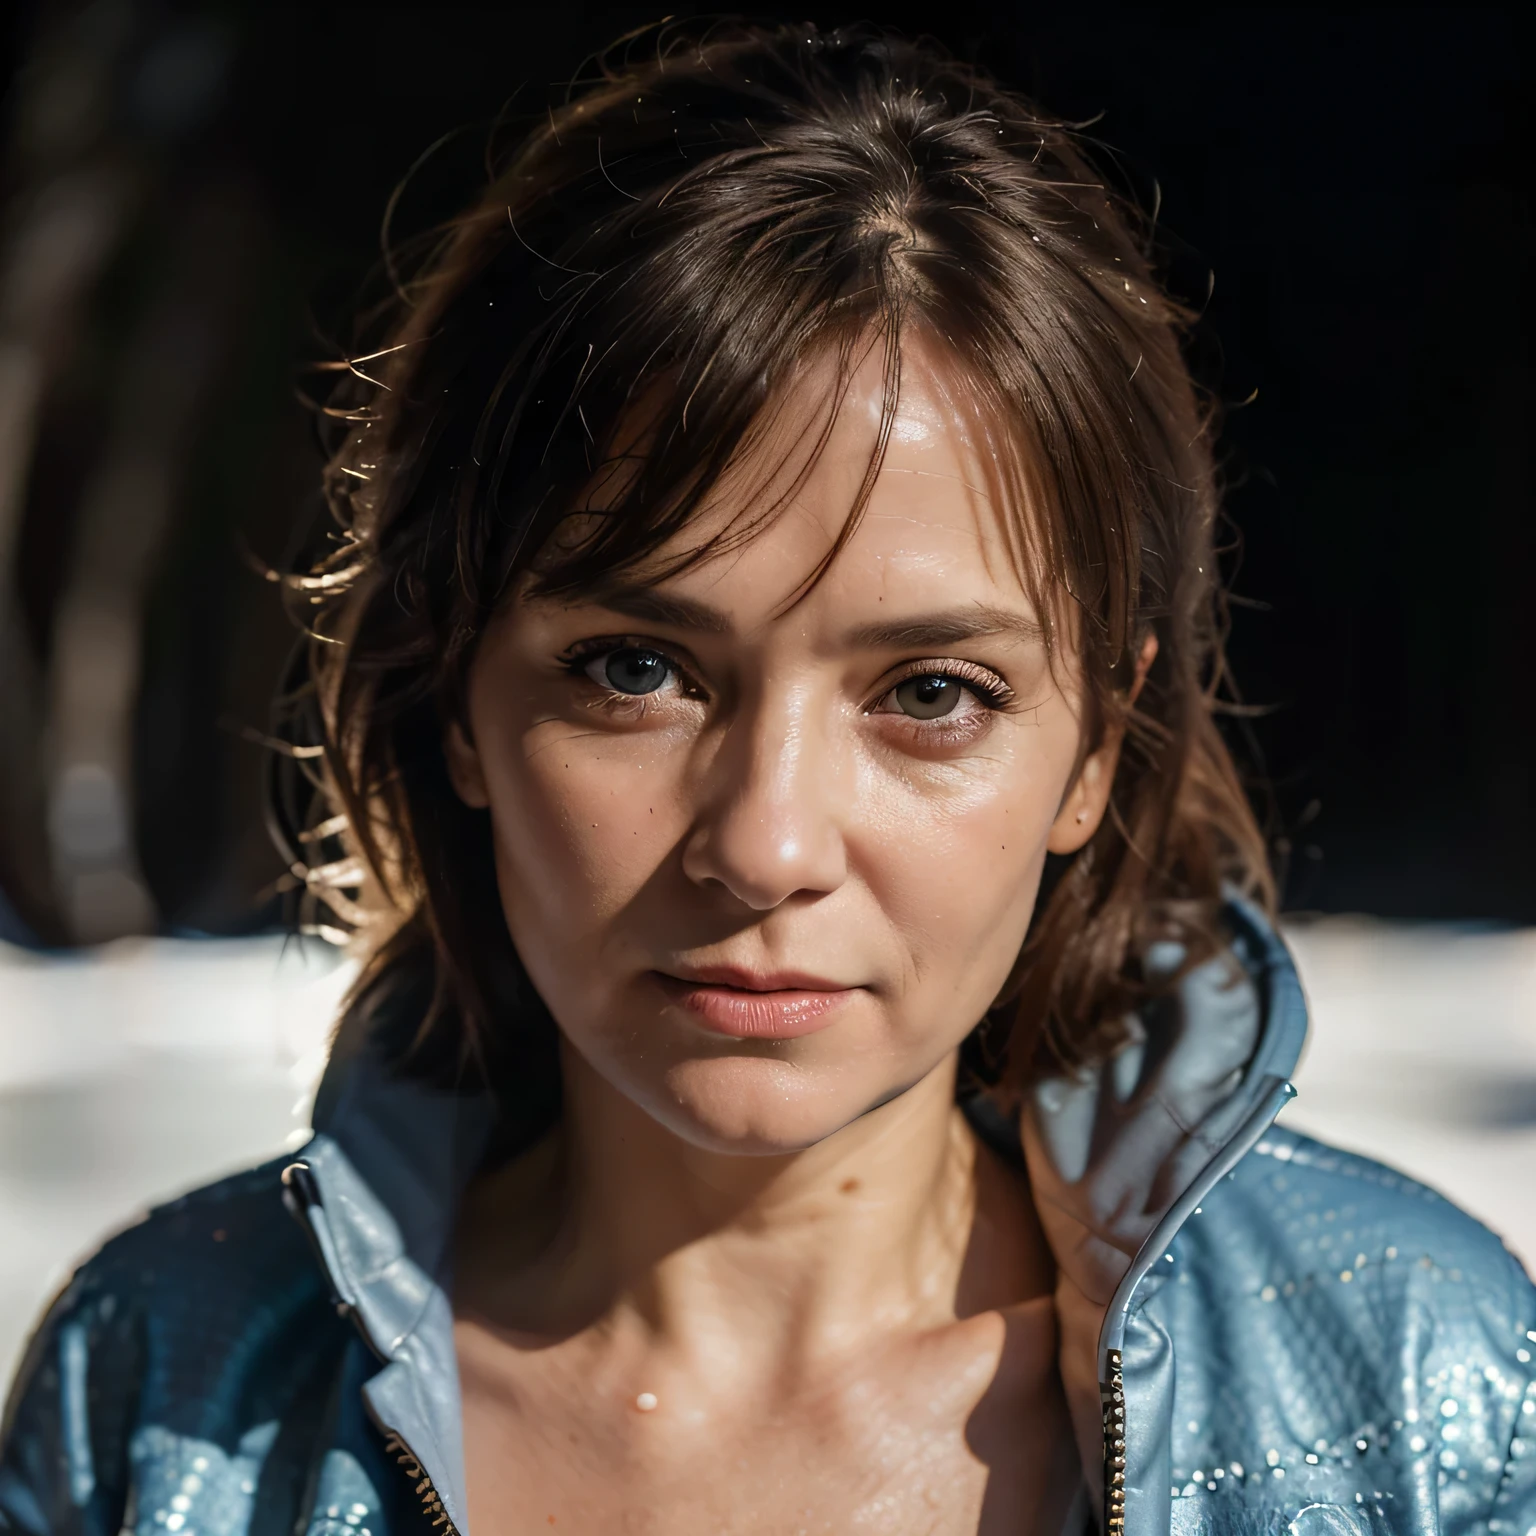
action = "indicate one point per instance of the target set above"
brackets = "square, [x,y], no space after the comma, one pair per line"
[190,196]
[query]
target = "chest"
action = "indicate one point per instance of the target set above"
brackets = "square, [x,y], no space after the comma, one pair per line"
[951,1436]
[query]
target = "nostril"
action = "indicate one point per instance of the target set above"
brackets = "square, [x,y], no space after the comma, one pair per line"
[759,870]
[772,826]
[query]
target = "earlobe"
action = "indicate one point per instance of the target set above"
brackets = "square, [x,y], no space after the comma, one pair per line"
[464,770]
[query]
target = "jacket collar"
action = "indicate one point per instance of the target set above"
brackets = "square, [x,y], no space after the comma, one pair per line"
[1131,1148]
[1122,1155]
[1127,1150]
[378,1188]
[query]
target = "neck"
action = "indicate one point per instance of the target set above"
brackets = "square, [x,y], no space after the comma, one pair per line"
[801,1254]
[859,1230]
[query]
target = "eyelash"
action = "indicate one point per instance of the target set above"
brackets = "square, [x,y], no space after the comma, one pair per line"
[576,658]
[987,687]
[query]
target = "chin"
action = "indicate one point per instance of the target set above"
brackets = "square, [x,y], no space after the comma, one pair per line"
[756,1106]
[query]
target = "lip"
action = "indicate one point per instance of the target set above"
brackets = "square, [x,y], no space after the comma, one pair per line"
[781,1005]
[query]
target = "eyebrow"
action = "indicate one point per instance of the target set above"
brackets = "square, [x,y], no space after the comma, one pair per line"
[946,628]
[654,607]
[920,631]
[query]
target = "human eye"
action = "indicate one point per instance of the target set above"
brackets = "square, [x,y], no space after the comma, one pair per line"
[945,695]
[629,670]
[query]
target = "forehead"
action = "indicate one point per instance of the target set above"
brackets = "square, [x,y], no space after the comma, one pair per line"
[936,527]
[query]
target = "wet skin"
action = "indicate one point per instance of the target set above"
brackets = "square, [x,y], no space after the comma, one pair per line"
[768,862]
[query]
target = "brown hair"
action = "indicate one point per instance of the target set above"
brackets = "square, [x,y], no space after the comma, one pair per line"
[686,230]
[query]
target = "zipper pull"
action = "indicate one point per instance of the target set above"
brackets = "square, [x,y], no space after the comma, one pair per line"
[1112,1396]
[301,1195]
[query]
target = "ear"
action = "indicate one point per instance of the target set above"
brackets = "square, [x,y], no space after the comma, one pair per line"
[464,770]
[1088,799]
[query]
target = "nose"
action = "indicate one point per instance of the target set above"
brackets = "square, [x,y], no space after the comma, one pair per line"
[771,824]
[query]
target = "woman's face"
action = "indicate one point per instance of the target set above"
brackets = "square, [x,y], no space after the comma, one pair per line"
[768,862]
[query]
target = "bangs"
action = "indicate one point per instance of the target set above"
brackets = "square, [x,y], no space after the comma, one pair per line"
[652,510]
[647,516]
[702,400]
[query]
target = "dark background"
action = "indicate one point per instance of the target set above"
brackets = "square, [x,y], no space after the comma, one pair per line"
[192,192]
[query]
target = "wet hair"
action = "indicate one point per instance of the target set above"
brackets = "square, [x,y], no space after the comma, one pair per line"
[671,245]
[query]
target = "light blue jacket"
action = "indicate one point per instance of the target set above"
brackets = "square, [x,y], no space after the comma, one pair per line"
[1303,1343]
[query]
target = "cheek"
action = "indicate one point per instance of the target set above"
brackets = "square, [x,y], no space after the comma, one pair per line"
[955,858]
[582,821]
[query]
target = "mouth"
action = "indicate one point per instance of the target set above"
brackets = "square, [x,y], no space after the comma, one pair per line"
[744,1006]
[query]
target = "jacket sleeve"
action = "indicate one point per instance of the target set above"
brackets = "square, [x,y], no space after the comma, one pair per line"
[63,1440]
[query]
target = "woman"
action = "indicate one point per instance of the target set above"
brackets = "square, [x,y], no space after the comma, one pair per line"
[815,1064]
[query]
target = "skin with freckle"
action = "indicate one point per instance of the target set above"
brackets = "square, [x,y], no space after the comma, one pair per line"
[848,796]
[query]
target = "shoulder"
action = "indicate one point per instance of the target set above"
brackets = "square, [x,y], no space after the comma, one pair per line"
[193,1320]
[1340,1322]
[1299,1225]
[1327,1215]
[201,1269]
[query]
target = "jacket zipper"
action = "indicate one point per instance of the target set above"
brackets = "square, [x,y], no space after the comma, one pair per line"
[1112,1396]
[430,1502]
